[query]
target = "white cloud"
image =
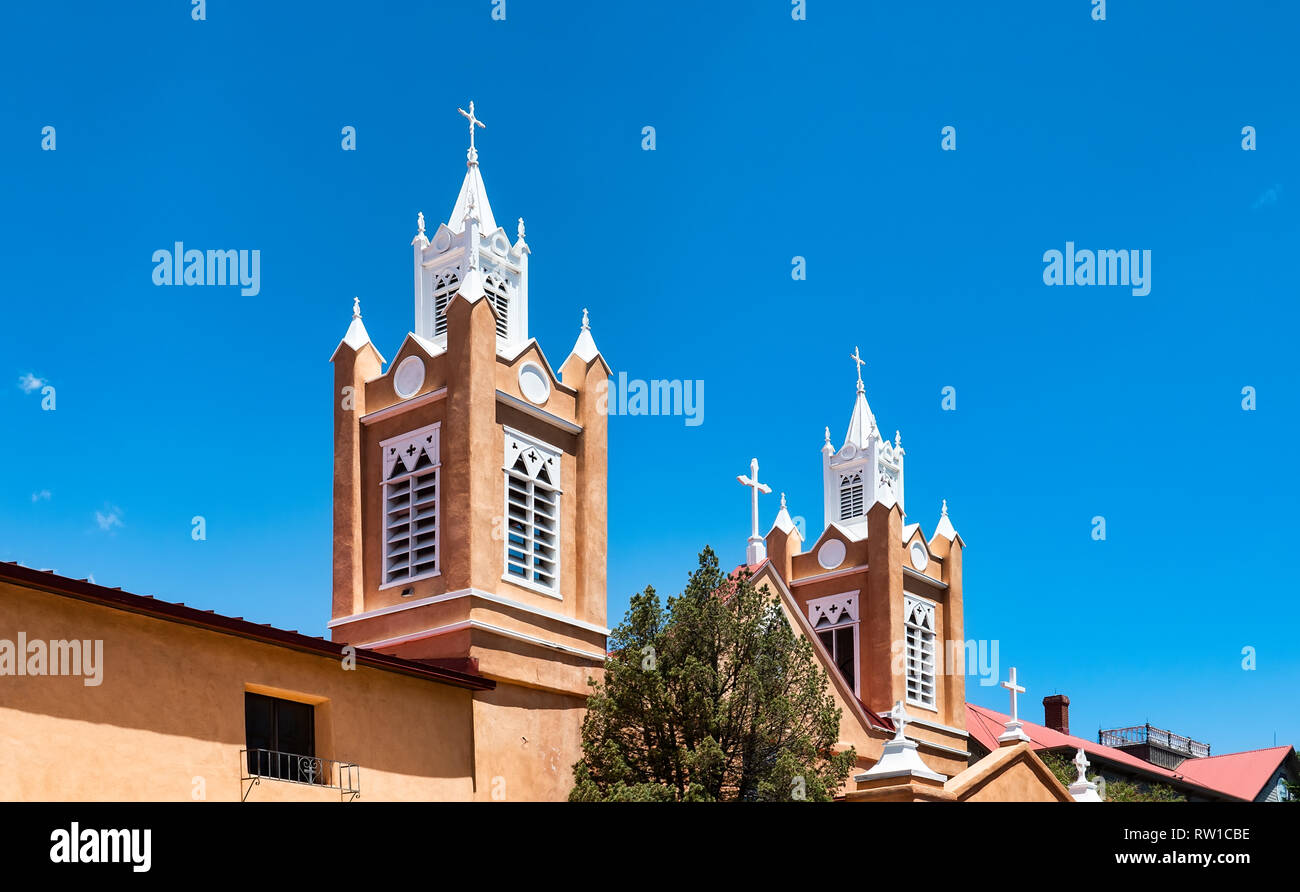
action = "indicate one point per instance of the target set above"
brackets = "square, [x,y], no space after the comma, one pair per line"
[29,382]
[42,496]
[112,519]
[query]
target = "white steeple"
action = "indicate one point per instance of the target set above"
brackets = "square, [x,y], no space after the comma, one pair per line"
[357,336]
[585,347]
[867,468]
[945,528]
[471,255]
[783,521]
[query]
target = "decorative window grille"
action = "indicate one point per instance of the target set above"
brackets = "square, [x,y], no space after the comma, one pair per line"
[497,291]
[532,472]
[835,620]
[919,624]
[851,496]
[444,286]
[411,505]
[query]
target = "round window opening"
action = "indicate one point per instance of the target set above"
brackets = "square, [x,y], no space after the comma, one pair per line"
[534,384]
[409,377]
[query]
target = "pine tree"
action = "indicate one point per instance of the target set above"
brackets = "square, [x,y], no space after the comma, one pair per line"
[710,697]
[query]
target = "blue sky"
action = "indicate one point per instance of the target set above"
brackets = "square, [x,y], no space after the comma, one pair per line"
[775,138]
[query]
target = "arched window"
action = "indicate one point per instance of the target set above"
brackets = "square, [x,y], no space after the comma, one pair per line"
[919,625]
[851,496]
[532,512]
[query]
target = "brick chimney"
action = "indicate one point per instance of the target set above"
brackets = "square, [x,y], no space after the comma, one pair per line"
[1056,713]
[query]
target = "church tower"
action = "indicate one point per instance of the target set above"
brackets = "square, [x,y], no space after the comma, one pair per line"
[881,601]
[470,497]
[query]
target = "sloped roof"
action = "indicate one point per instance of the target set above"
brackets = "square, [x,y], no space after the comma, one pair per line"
[1239,774]
[986,724]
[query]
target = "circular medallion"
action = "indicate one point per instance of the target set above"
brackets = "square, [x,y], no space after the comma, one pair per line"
[831,554]
[920,558]
[441,241]
[409,377]
[534,384]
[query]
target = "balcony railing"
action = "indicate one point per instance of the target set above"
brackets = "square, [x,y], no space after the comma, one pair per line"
[1139,734]
[311,771]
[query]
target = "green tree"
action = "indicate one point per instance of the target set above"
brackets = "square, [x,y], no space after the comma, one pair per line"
[1116,790]
[710,697]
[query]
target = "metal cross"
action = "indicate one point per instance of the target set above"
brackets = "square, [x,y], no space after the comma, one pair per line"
[472,122]
[1014,689]
[861,362]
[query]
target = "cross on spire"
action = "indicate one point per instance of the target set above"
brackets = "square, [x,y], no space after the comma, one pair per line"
[473,122]
[861,362]
[757,550]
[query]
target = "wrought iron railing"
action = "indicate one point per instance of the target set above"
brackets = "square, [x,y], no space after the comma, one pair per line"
[293,768]
[1138,734]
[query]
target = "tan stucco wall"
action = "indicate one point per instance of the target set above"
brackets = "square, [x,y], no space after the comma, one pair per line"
[171,709]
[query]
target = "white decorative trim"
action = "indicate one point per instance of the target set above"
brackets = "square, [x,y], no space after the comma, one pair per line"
[398,408]
[486,627]
[410,371]
[541,414]
[937,583]
[841,609]
[539,459]
[466,593]
[532,372]
[822,577]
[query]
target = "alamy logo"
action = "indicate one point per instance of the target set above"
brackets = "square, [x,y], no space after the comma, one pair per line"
[655,397]
[195,267]
[1122,267]
[58,657]
[77,846]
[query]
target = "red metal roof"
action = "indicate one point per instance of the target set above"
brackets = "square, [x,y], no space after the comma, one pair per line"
[83,590]
[1240,774]
[986,724]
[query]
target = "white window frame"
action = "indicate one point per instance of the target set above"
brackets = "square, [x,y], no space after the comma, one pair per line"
[515,444]
[838,612]
[427,440]
[927,658]
[846,483]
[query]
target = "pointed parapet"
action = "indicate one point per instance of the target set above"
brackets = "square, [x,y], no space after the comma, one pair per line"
[784,541]
[576,368]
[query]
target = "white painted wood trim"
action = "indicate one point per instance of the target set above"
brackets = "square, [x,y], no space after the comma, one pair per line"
[529,409]
[486,627]
[398,408]
[466,593]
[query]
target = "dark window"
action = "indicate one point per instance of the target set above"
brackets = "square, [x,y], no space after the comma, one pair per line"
[281,738]
[839,644]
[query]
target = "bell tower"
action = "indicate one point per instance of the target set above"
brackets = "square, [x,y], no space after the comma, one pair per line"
[470,497]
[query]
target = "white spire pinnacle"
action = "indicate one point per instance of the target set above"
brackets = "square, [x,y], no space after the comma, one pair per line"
[898,758]
[945,527]
[861,362]
[357,336]
[585,347]
[473,194]
[520,230]
[756,552]
[1082,789]
[783,521]
[419,221]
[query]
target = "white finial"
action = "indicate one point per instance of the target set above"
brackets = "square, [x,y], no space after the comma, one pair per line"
[861,362]
[586,323]
[356,308]
[943,512]
[782,501]
[473,122]
[1081,763]
[900,717]
[757,550]
[828,434]
[419,221]
[521,229]
[898,439]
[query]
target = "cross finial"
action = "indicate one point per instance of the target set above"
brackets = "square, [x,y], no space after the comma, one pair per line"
[1014,689]
[356,308]
[900,717]
[757,549]
[1081,763]
[861,362]
[473,122]
[586,323]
